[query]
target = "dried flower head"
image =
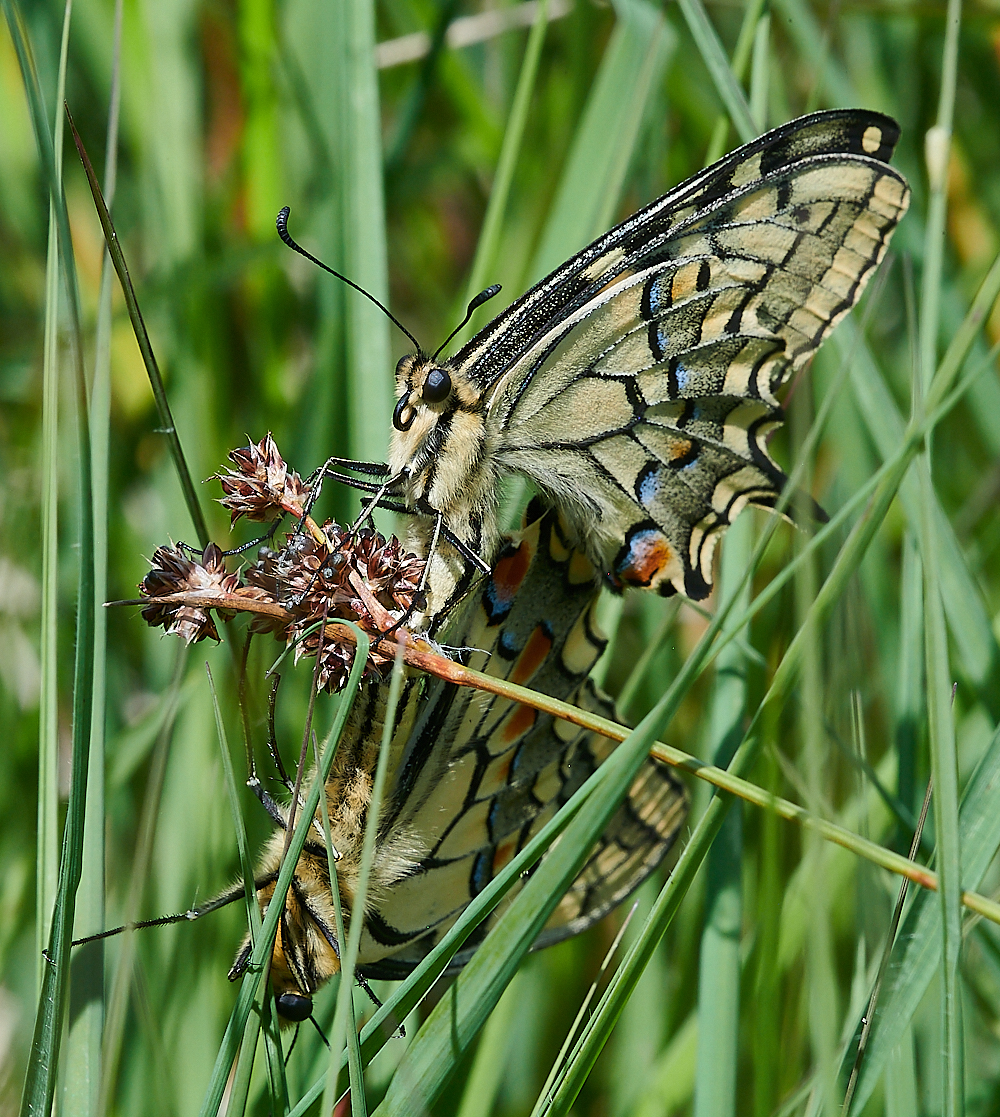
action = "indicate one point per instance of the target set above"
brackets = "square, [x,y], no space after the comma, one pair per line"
[321,574]
[176,571]
[261,486]
[338,578]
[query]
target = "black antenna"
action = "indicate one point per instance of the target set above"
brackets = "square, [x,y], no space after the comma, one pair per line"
[281,223]
[477,302]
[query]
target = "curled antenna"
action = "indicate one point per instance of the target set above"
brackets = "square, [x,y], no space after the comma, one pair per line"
[477,302]
[281,223]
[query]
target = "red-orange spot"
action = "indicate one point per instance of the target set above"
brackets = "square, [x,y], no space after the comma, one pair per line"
[519,722]
[680,448]
[504,852]
[531,658]
[509,572]
[647,554]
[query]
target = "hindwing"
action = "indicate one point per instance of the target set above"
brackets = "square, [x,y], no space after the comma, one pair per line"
[479,775]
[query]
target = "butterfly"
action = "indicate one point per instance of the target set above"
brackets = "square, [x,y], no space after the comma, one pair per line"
[635,387]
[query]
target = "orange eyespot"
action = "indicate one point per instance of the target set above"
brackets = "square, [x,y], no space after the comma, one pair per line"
[437,386]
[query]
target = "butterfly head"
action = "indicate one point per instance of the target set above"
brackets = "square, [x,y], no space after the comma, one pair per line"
[423,389]
[431,396]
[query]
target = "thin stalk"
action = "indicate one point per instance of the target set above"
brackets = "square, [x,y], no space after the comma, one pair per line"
[83,1072]
[714,57]
[741,60]
[47,844]
[944,773]
[167,425]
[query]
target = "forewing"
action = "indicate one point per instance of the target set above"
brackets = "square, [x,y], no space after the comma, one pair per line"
[481,775]
[643,400]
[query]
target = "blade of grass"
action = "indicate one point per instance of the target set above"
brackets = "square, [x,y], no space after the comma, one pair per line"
[40,1080]
[47,843]
[752,16]
[968,619]
[591,182]
[117,1001]
[275,1062]
[719,958]
[486,1077]
[918,950]
[944,771]
[349,960]
[359,170]
[937,148]
[869,1016]
[262,948]
[496,208]
[83,1073]
[723,79]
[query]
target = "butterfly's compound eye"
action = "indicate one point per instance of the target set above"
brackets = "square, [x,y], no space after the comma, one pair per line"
[294,1007]
[437,386]
[402,365]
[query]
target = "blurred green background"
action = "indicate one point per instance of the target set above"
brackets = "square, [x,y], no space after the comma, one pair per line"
[389,162]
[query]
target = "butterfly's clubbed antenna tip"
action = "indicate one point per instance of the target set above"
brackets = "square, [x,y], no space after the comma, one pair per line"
[281,224]
[474,305]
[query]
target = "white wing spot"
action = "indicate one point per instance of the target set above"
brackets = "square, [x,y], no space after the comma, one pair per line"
[871,141]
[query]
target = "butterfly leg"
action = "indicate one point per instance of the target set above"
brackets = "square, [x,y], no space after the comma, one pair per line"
[265,538]
[372,504]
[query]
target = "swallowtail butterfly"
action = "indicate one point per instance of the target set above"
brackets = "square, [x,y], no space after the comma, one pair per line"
[635,387]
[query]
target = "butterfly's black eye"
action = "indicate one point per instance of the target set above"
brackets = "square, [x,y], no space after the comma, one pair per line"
[401,363]
[293,1006]
[437,386]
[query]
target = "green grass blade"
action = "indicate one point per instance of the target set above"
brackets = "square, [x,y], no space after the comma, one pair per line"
[359,165]
[918,950]
[83,1071]
[47,846]
[719,960]
[968,619]
[944,769]
[40,1081]
[168,427]
[488,244]
[591,182]
[714,57]
[455,1021]
[492,1060]
[937,148]
[344,1018]
[262,948]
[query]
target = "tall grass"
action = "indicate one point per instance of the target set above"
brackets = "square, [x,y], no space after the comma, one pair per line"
[740,982]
